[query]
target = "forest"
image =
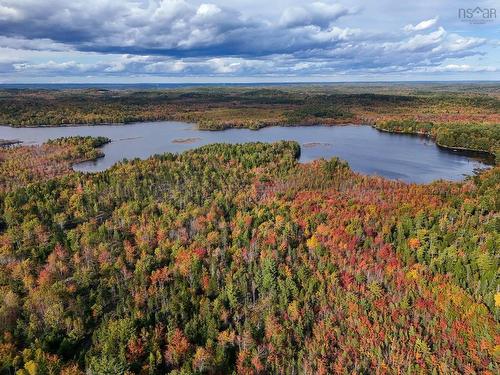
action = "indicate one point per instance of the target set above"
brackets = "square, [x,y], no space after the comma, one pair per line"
[220,107]
[238,259]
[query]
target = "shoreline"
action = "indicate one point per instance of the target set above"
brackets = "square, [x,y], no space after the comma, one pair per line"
[9,142]
[199,124]
[76,162]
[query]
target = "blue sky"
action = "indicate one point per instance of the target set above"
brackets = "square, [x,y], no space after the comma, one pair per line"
[246,41]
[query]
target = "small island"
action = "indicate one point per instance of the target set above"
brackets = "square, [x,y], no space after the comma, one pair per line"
[316,144]
[186,140]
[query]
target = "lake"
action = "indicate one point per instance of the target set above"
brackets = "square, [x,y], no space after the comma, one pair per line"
[367,150]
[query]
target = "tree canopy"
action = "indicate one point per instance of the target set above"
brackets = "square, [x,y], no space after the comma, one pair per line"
[238,259]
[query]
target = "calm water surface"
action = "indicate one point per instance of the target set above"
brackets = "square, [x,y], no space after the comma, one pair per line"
[396,156]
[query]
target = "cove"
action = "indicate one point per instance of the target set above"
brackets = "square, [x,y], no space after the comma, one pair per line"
[367,150]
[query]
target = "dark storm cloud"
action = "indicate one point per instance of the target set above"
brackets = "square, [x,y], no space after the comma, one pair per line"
[169,27]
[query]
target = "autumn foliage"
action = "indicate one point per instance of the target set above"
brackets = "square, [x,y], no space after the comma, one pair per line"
[236,258]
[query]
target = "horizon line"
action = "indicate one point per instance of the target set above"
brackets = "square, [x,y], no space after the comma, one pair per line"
[251,82]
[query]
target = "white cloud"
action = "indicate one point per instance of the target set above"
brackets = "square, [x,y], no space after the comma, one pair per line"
[421,42]
[239,65]
[9,13]
[207,11]
[316,13]
[168,67]
[456,43]
[424,25]
[52,66]
[456,68]
[32,44]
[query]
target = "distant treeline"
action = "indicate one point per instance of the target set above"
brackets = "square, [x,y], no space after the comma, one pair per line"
[216,108]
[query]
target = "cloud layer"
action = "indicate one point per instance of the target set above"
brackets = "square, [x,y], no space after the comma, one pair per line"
[182,38]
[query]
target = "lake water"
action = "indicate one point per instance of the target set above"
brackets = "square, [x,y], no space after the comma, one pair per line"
[367,150]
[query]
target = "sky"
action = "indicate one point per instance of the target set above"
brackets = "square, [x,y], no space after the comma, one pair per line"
[178,41]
